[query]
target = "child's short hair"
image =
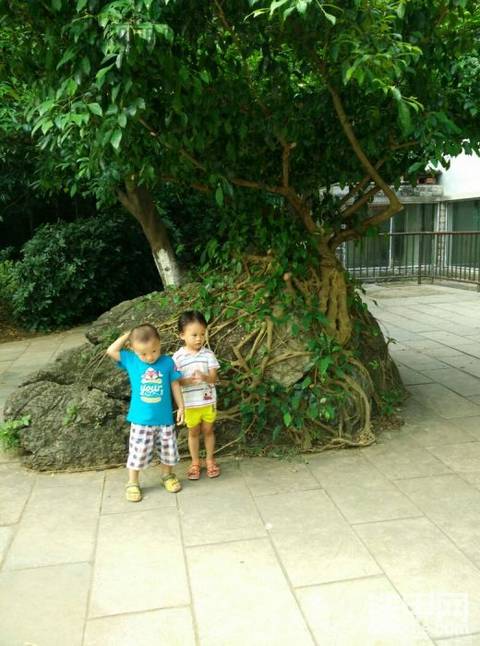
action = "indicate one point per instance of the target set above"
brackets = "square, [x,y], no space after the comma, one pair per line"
[190,316]
[144,333]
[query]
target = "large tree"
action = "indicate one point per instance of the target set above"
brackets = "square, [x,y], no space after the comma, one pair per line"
[262,106]
[282,98]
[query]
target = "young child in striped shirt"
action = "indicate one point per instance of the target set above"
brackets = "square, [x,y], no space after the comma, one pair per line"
[198,366]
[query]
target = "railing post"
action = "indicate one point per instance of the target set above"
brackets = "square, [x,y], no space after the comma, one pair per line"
[420,252]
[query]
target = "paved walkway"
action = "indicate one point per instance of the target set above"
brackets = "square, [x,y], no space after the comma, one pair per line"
[372,546]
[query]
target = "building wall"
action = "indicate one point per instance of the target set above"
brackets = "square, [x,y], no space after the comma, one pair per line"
[462,179]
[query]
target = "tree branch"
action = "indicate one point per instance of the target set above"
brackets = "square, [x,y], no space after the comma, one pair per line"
[351,234]
[357,149]
[394,203]
[353,208]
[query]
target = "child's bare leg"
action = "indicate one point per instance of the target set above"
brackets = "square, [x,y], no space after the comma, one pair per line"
[165,469]
[194,443]
[209,439]
[133,475]
[193,472]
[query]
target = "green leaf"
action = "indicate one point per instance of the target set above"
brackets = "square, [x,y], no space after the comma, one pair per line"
[116,138]
[67,56]
[330,17]
[95,108]
[122,120]
[401,10]
[404,117]
[101,72]
[81,4]
[165,31]
[85,65]
[219,196]
[56,5]
[287,419]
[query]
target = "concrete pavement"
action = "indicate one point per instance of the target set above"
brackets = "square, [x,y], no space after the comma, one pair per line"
[372,546]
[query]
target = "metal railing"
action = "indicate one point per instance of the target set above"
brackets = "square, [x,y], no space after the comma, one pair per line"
[426,255]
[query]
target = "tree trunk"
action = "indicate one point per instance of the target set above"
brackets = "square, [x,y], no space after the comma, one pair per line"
[138,201]
[333,296]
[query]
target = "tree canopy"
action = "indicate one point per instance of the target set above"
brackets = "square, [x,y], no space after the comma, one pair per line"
[281,98]
[230,93]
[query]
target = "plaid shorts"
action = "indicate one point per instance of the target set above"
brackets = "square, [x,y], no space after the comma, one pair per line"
[143,439]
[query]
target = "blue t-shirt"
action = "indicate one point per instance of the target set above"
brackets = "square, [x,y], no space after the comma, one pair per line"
[151,401]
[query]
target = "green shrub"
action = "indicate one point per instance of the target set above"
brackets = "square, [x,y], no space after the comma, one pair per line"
[9,432]
[72,271]
[7,281]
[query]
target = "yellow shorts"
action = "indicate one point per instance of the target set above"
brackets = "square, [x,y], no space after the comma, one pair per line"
[194,416]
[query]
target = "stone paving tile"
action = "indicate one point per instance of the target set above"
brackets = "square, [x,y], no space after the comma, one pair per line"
[360,490]
[470,348]
[412,377]
[432,575]
[365,611]
[456,380]
[60,519]
[403,460]
[154,494]
[202,523]
[172,627]
[15,487]
[446,338]
[44,606]
[466,363]
[470,425]
[139,564]
[443,401]
[438,431]
[453,505]
[269,476]
[419,362]
[248,600]
[472,477]
[6,534]
[230,481]
[400,321]
[467,640]
[328,550]
[399,334]
[459,457]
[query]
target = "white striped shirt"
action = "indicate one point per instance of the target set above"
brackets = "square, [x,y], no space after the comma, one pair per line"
[201,394]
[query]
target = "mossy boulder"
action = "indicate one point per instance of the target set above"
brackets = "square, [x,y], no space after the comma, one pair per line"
[274,390]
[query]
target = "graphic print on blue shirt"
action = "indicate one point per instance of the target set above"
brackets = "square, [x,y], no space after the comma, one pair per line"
[151,386]
[151,398]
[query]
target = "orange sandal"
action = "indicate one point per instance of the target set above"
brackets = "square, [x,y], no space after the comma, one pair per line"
[193,472]
[213,470]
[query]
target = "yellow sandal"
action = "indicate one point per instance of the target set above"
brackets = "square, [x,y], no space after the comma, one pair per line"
[171,483]
[133,493]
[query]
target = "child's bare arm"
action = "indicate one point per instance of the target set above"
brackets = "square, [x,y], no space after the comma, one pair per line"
[178,397]
[188,381]
[113,350]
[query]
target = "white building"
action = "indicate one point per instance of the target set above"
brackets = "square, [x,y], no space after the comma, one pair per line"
[446,202]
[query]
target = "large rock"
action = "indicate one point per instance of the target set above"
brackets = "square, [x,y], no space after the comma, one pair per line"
[71,426]
[78,403]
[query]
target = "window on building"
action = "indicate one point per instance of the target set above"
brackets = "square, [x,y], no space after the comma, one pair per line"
[464,217]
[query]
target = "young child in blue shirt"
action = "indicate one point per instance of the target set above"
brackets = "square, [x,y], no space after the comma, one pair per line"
[153,379]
